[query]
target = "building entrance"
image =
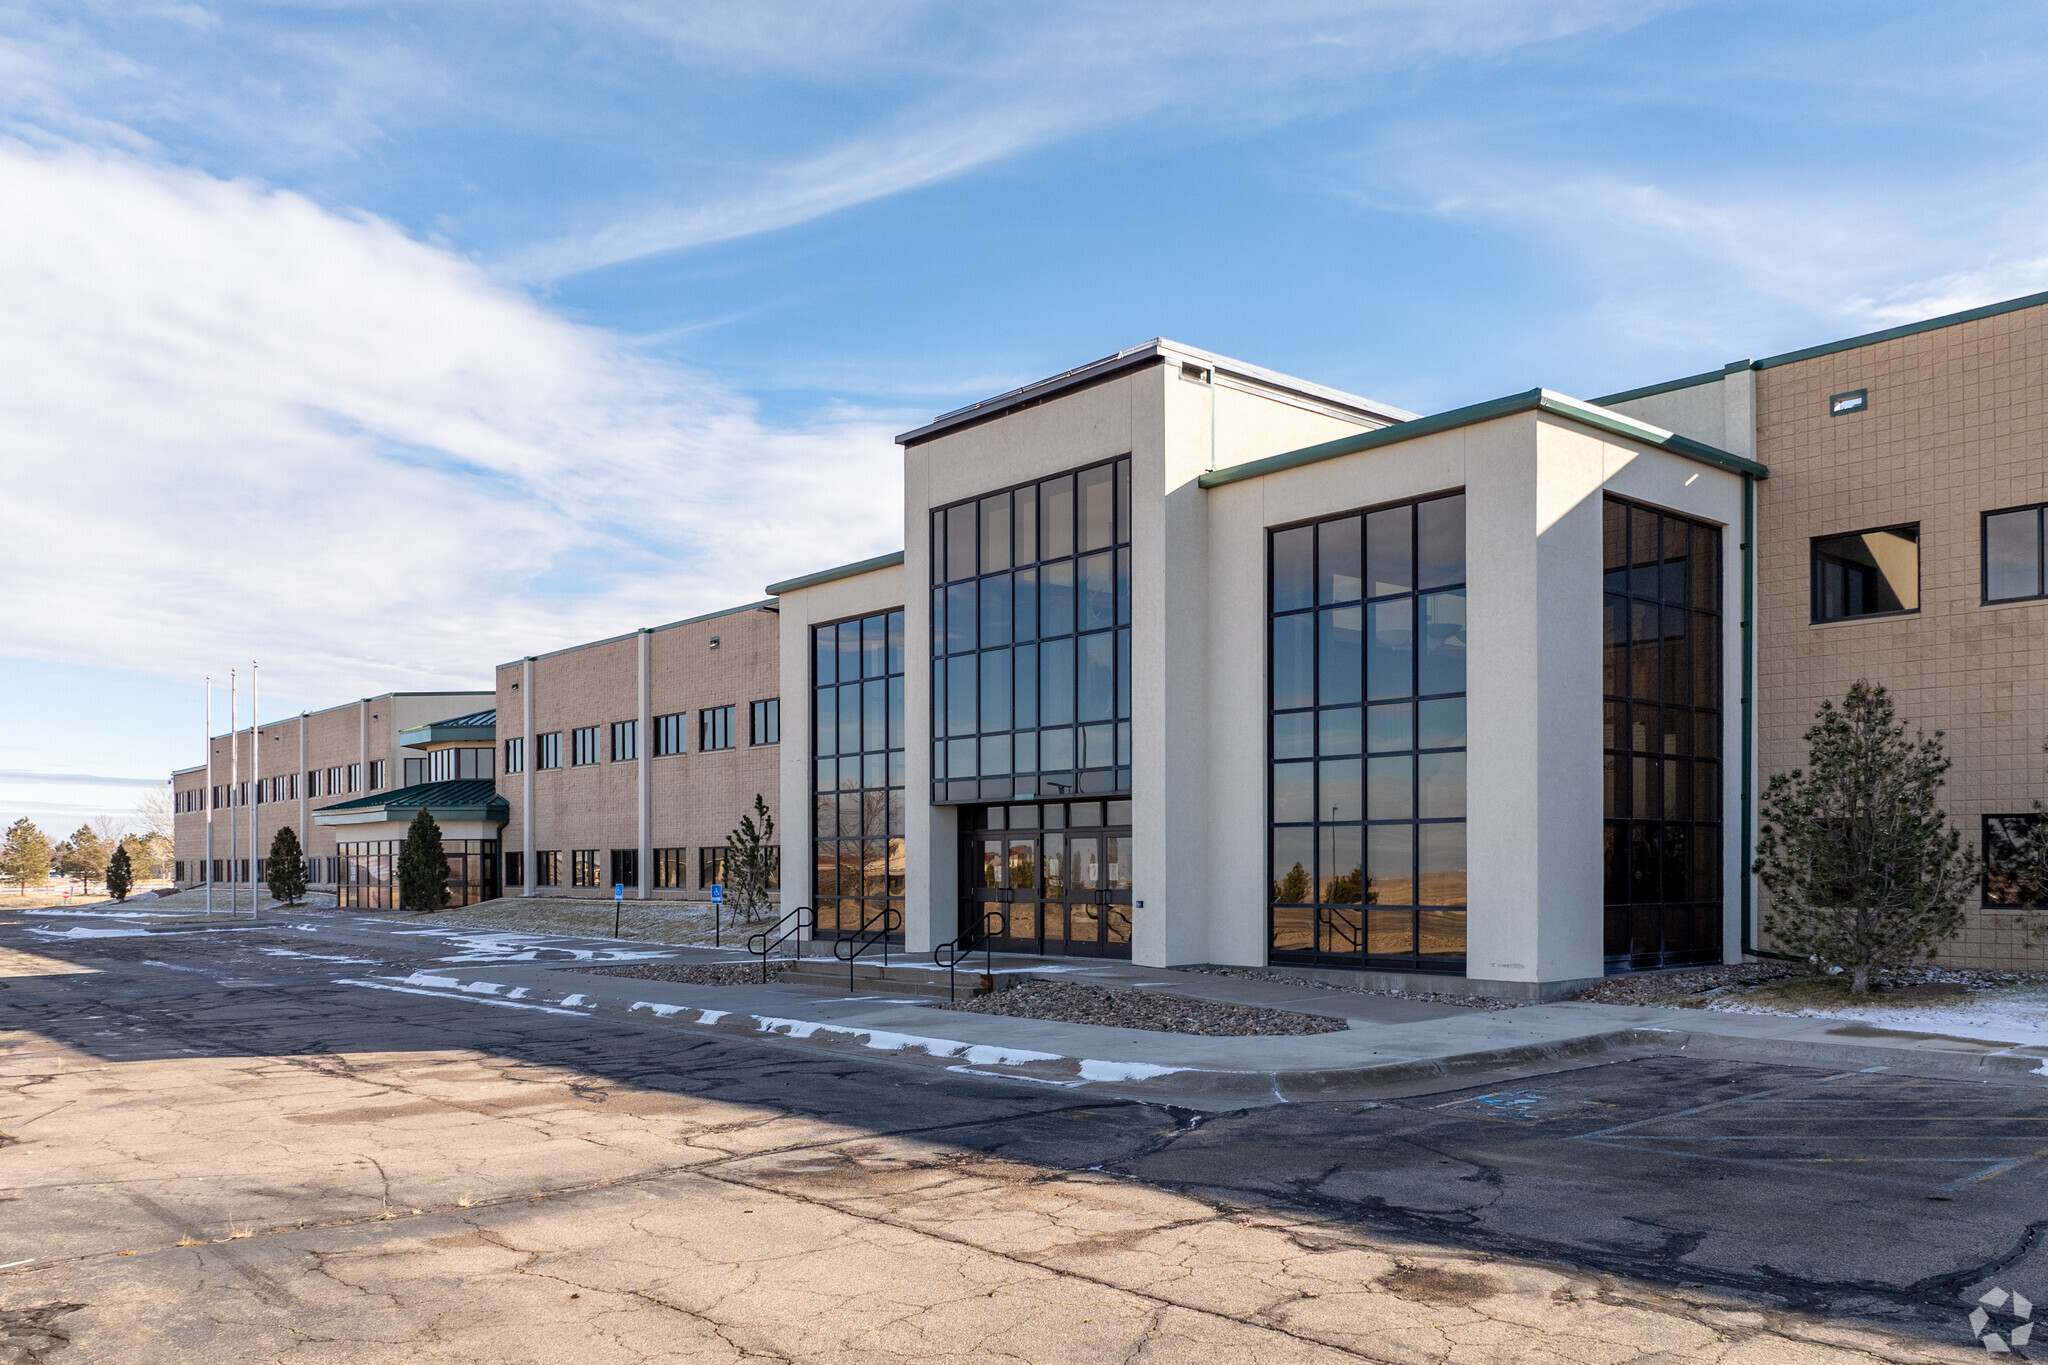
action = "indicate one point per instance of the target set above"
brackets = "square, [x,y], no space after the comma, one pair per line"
[1056,876]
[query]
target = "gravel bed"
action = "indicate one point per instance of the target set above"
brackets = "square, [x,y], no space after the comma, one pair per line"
[1711,985]
[1469,1002]
[694,973]
[1066,1002]
[1664,987]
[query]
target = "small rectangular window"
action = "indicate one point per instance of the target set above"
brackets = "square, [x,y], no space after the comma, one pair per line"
[671,869]
[711,866]
[1842,404]
[583,867]
[547,867]
[355,777]
[671,734]
[515,756]
[1866,573]
[625,867]
[583,746]
[714,728]
[767,722]
[625,741]
[415,771]
[515,871]
[2012,555]
[2015,861]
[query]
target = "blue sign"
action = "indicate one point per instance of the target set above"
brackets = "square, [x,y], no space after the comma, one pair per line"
[619,891]
[717,894]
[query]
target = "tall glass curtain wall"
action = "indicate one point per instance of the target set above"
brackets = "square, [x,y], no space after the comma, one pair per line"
[368,871]
[1661,729]
[1368,738]
[1031,640]
[857,741]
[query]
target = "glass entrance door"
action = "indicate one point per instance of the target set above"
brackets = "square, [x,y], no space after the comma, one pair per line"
[1057,890]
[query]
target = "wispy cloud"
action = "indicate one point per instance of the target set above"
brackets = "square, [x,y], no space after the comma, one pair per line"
[302,436]
[10,776]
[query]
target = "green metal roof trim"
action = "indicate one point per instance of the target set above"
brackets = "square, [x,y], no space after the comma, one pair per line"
[832,575]
[1989,310]
[474,798]
[1535,400]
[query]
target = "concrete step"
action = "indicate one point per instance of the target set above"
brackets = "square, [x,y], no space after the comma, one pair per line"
[923,983]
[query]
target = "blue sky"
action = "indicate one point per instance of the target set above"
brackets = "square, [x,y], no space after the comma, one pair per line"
[385,342]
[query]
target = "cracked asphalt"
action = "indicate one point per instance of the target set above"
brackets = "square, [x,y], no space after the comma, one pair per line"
[211,1150]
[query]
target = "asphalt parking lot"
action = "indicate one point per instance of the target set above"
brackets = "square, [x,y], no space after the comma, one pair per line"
[209,1149]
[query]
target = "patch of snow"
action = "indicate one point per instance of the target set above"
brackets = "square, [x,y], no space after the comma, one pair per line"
[84,931]
[654,1008]
[1092,1070]
[711,1016]
[572,999]
[2016,1018]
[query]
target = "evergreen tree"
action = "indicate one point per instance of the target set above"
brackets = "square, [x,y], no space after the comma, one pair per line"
[1863,868]
[422,866]
[286,868]
[751,863]
[83,856]
[25,855]
[120,875]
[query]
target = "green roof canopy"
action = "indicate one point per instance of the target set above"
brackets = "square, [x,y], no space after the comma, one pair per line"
[466,799]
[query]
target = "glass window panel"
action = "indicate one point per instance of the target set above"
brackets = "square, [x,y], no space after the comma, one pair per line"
[1056,598]
[1123,674]
[1614,544]
[1056,749]
[995,693]
[1390,648]
[827,665]
[874,770]
[1294,735]
[995,610]
[825,816]
[1706,791]
[1614,657]
[1390,788]
[1390,551]
[1056,683]
[896,713]
[1440,542]
[1338,655]
[1024,530]
[1025,609]
[874,647]
[1442,724]
[1643,665]
[1294,568]
[1123,755]
[849,773]
[1676,652]
[962,616]
[1123,587]
[1643,554]
[828,774]
[1674,732]
[1339,575]
[1293,928]
[1098,591]
[827,721]
[1293,662]
[963,685]
[960,541]
[995,533]
[1026,693]
[1866,574]
[1706,660]
[1337,794]
[898,767]
[1337,931]
[1098,511]
[1389,933]
[1706,567]
[874,715]
[1056,517]
[1390,728]
[1084,863]
[995,755]
[848,804]
[1443,643]
[1675,574]
[1026,754]
[895,635]
[1098,747]
[2012,555]
[1340,871]
[1442,933]
[1294,793]
[1440,786]
[961,756]
[849,718]
[1390,864]
[1340,731]
[1123,502]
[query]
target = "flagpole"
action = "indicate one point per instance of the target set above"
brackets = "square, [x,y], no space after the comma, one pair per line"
[209,796]
[234,782]
[255,785]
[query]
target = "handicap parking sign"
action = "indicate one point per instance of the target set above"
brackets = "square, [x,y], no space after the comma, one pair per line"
[717,894]
[619,891]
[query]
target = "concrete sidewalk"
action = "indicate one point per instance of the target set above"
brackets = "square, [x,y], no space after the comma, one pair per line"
[1394,1045]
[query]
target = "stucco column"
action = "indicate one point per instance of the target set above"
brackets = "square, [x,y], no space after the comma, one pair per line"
[305,830]
[642,737]
[526,761]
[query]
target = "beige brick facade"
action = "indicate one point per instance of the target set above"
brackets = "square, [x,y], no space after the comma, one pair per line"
[1956,426]
[694,799]
[357,732]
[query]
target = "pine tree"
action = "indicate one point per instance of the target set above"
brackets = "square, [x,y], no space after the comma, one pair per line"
[286,869]
[1863,868]
[83,857]
[120,875]
[422,866]
[751,862]
[25,855]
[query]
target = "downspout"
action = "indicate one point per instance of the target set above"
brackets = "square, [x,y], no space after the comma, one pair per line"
[1749,948]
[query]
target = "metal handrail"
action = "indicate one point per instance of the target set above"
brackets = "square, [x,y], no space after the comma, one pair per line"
[848,950]
[761,945]
[964,946]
